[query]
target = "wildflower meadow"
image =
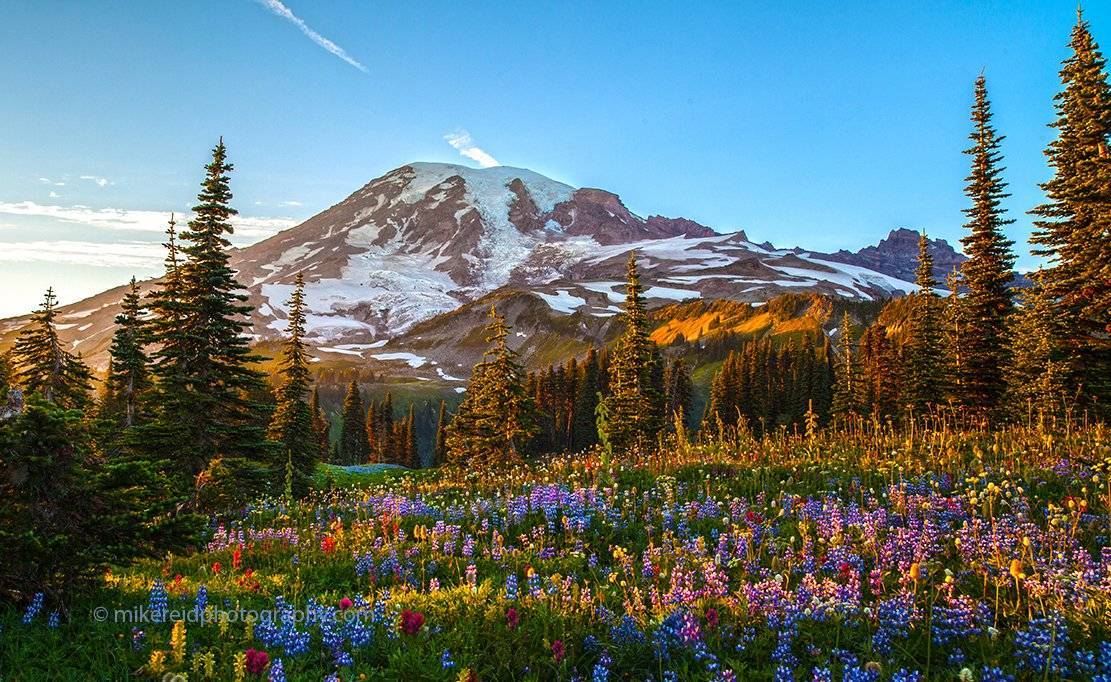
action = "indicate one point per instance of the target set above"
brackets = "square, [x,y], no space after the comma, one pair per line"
[872,555]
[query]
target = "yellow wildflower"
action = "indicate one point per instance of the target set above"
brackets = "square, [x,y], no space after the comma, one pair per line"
[177,641]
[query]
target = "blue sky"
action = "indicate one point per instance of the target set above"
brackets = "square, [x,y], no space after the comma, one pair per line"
[805,123]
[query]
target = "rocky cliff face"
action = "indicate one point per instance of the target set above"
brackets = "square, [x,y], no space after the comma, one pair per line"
[897,255]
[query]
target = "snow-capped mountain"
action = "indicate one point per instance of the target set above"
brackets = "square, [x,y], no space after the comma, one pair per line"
[427,238]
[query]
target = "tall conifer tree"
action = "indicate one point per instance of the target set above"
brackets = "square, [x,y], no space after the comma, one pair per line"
[320,424]
[292,424]
[44,366]
[846,371]
[128,378]
[203,361]
[1073,229]
[987,272]
[1036,376]
[635,404]
[924,367]
[497,417]
[353,446]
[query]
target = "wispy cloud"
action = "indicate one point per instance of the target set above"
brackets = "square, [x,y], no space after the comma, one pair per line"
[54,195]
[48,181]
[284,12]
[247,228]
[96,254]
[99,181]
[462,141]
[291,203]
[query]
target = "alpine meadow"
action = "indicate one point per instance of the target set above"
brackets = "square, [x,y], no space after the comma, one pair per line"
[474,423]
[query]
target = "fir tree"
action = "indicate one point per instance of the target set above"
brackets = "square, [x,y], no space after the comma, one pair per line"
[1036,377]
[6,379]
[588,390]
[497,417]
[43,366]
[353,445]
[924,368]
[1073,229]
[846,371]
[203,361]
[953,332]
[634,406]
[439,451]
[987,272]
[128,379]
[320,424]
[292,423]
[680,390]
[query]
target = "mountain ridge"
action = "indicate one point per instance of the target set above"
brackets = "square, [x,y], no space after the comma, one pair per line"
[426,239]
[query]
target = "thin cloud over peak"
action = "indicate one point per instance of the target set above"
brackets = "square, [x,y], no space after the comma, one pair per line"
[462,141]
[99,181]
[276,7]
[247,229]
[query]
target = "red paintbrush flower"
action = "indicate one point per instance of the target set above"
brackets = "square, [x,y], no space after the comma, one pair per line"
[257,661]
[328,544]
[411,621]
[345,604]
[512,619]
[558,651]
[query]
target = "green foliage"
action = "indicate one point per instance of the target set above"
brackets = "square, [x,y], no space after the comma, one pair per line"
[924,349]
[497,417]
[353,447]
[43,366]
[635,402]
[203,357]
[1073,230]
[987,273]
[66,513]
[1036,377]
[128,382]
[292,425]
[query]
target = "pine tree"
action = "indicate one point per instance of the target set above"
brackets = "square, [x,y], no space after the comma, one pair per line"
[1036,377]
[1074,226]
[497,417]
[846,371]
[680,390]
[987,272]
[924,368]
[6,378]
[43,366]
[952,338]
[128,379]
[353,445]
[203,361]
[439,452]
[587,390]
[412,457]
[634,406]
[320,424]
[292,424]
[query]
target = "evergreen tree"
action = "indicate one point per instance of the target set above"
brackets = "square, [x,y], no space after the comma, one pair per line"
[70,513]
[497,417]
[353,445]
[588,391]
[635,403]
[680,390]
[1074,226]
[292,423]
[924,368]
[203,361]
[953,332]
[1036,377]
[987,272]
[43,366]
[320,424]
[846,371]
[439,451]
[128,379]
[6,379]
